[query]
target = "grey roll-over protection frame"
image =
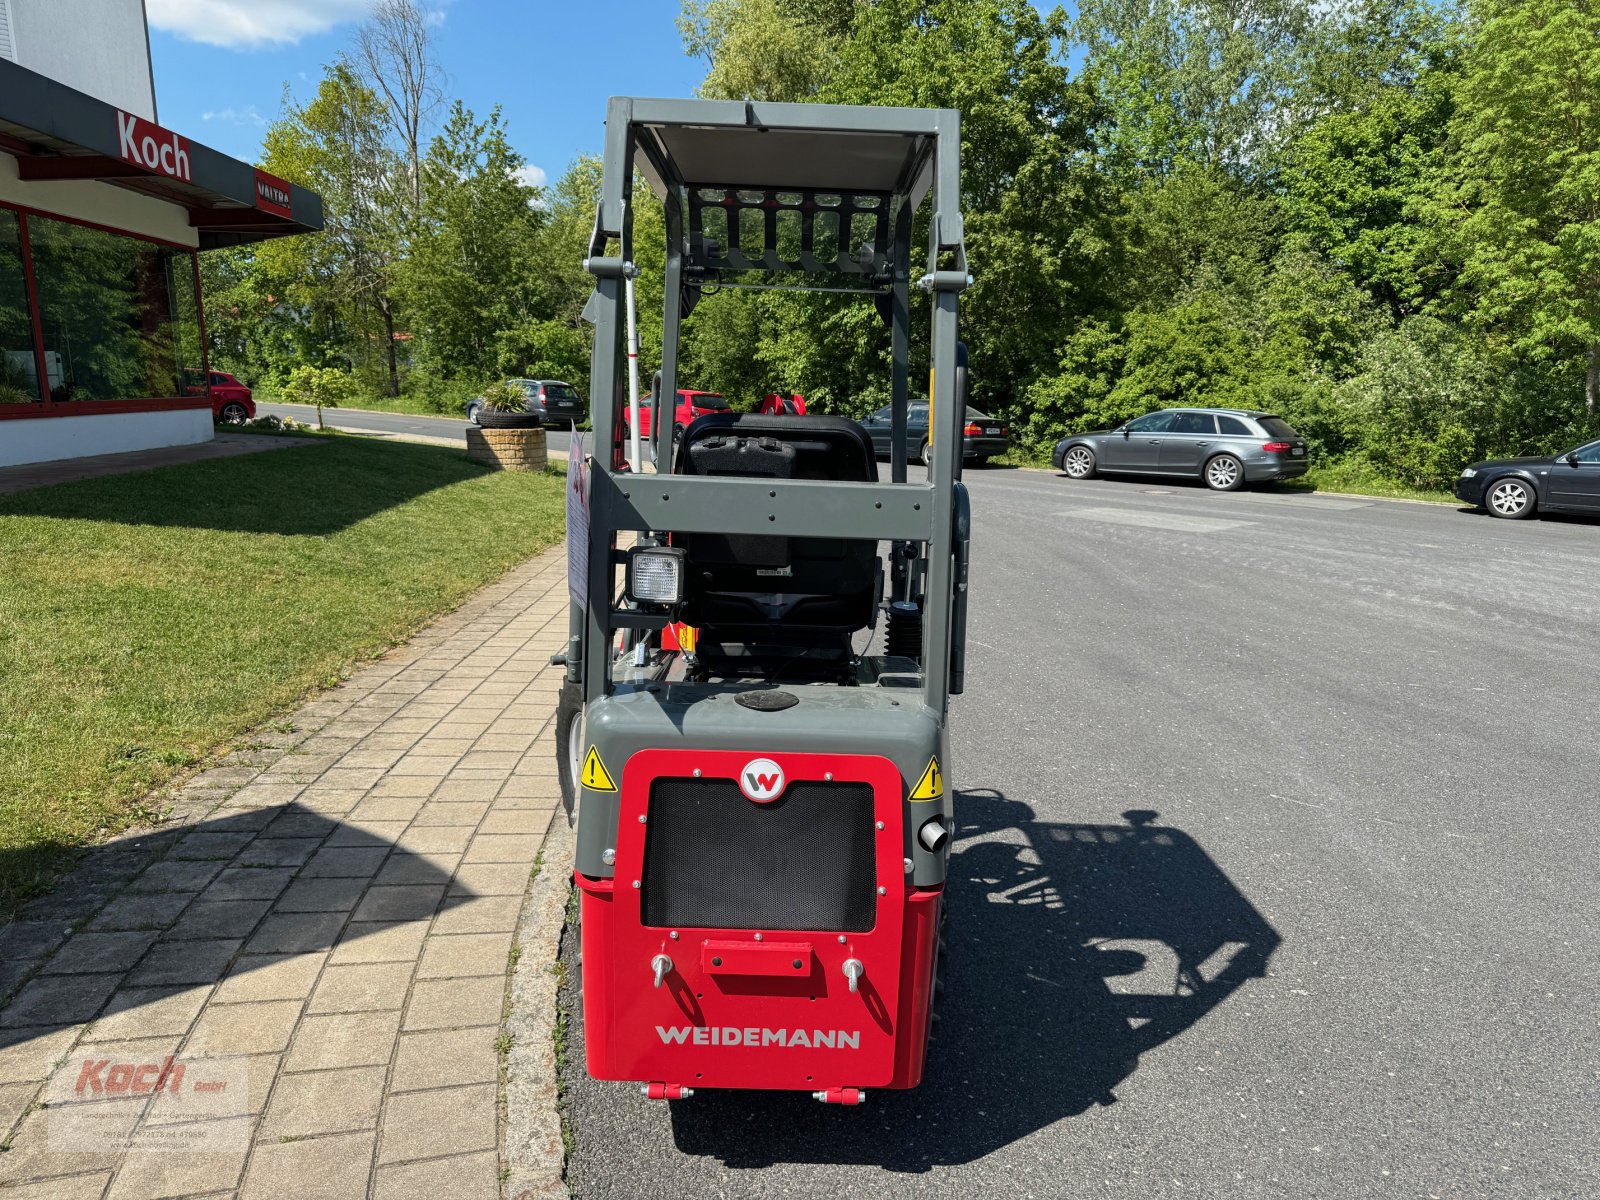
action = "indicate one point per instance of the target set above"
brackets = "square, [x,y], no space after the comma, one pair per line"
[773,160]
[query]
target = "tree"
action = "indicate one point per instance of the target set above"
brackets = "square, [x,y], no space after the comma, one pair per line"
[765,49]
[344,278]
[1362,180]
[1034,229]
[1207,81]
[1528,126]
[323,387]
[470,271]
[396,54]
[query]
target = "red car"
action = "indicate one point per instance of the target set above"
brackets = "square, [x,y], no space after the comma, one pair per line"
[691,404]
[230,400]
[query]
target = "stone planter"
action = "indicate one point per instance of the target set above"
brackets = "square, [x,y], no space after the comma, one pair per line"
[508,449]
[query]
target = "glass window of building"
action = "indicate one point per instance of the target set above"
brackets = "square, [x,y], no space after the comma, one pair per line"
[19,369]
[119,315]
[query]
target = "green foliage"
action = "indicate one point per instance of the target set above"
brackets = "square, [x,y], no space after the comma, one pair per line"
[503,396]
[1377,218]
[470,267]
[425,284]
[543,349]
[1210,83]
[324,387]
[765,49]
[1529,128]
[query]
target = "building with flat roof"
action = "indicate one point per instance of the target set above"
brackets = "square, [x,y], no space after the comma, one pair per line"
[102,215]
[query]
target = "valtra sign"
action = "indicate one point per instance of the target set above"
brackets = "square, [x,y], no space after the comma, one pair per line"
[272,194]
[147,145]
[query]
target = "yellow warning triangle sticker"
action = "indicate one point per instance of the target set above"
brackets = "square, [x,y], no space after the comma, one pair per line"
[595,776]
[931,785]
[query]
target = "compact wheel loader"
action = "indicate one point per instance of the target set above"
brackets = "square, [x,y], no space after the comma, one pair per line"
[752,735]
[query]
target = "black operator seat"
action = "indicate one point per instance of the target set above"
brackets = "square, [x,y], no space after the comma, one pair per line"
[779,607]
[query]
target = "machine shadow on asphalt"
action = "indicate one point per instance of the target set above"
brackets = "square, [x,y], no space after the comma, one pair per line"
[1072,950]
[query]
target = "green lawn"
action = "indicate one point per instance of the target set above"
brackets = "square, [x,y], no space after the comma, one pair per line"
[147,620]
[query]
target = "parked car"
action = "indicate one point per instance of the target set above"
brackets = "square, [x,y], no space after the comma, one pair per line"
[553,402]
[691,404]
[231,402]
[1226,447]
[1518,487]
[983,437]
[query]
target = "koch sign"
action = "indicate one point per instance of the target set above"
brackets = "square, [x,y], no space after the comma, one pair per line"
[147,145]
[272,194]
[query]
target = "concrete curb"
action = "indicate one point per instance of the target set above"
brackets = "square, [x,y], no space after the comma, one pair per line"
[535,1156]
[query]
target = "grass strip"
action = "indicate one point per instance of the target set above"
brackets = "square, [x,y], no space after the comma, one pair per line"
[147,620]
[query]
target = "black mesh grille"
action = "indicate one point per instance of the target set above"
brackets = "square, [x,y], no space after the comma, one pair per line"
[712,859]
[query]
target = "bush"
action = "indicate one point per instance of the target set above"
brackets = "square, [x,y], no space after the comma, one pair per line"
[1421,403]
[543,350]
[449,397]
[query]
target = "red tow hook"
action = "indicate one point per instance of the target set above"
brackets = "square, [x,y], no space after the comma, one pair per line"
[665,1091]
[842,1095]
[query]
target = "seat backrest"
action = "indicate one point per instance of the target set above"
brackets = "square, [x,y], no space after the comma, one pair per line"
[739,585]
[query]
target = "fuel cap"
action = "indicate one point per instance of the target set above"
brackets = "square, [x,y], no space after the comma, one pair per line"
[772,701]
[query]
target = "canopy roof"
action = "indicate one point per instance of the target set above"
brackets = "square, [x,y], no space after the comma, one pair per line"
[59,133]
[811,147]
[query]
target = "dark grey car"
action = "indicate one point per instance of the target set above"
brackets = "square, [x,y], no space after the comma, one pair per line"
[1226,447]
[982,438]
[553,402]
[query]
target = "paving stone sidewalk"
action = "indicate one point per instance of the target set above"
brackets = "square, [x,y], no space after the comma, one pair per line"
[317,946]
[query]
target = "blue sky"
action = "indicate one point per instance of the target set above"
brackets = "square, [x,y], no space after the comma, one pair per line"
[221,65]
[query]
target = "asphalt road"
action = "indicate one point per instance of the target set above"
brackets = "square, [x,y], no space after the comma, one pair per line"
[1275,873]
[401,425]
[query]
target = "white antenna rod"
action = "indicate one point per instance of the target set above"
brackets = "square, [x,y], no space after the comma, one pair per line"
[633,371]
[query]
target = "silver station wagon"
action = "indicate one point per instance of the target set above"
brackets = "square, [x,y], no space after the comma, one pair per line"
[1226,447]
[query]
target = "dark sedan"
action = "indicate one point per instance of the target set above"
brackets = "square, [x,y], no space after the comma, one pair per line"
[553,402]
[1518,487]
[983,437]
[1226,447]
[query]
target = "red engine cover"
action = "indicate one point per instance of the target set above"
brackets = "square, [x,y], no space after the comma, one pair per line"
[734,1011]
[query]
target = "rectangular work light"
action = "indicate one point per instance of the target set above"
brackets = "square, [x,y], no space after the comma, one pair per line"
[655,574]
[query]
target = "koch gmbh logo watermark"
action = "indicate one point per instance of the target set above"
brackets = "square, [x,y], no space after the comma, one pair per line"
[97,1102]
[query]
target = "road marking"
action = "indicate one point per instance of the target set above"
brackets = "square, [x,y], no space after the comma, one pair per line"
[1175,522]
[1326,502]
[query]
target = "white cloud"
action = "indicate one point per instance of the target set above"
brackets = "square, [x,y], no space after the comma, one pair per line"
[531,175]
[235,116]
[242,24]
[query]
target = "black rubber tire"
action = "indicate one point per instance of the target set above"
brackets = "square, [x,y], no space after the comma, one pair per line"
[472,412]
[1510,487]
[233,413]
[922,452]
[569,708]
[488,419]
[1218,478]
[1087,472]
